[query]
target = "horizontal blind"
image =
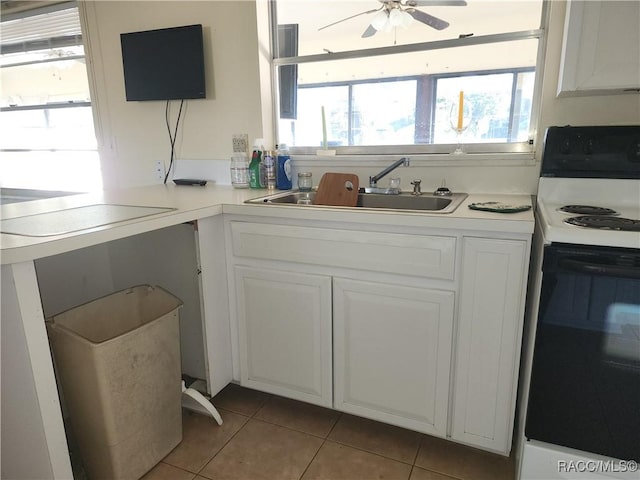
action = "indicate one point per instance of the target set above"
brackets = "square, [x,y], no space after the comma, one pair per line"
[50,29]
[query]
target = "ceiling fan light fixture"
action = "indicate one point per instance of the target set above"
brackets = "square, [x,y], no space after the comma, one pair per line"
[380,20]
[399,18]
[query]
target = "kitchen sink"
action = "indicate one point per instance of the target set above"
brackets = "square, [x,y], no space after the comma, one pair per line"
[402,201]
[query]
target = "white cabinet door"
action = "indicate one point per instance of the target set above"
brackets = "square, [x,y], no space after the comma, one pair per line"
[489,335]
[284,321]
[392,353]
[601,49]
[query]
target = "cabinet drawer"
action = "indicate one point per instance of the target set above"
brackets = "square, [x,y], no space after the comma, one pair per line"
[419,255]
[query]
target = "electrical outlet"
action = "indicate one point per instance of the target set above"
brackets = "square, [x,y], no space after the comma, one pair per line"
[240,142]
[160,170]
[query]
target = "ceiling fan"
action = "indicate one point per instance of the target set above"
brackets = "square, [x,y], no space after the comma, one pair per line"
[399,13]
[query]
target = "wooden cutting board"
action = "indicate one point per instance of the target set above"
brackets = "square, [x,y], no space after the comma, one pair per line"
[337,189]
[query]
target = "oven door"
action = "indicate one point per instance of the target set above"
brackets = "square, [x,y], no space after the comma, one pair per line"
[585,382]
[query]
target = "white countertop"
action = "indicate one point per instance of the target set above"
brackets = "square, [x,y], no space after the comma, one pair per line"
[191,203]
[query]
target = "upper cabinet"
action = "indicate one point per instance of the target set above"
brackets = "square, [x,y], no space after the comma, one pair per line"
[601,48]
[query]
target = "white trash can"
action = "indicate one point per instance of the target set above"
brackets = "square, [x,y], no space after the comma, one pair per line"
[118,362]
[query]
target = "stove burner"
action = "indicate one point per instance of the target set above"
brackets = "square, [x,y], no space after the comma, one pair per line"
[605,223]
[587,210]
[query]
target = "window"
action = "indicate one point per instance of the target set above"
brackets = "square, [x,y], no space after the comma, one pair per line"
[385,89]
[48,139]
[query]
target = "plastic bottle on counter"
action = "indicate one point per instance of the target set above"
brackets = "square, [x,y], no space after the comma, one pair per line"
[283,168]
[270,169]
[254,170]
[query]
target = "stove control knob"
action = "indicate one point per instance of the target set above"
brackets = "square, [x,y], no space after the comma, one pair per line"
[565,146]
[588,147]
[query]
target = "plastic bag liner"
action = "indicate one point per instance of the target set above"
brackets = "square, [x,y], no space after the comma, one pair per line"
[118,363]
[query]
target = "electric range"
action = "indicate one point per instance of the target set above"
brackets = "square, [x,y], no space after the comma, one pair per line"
[605,203]
[580,378]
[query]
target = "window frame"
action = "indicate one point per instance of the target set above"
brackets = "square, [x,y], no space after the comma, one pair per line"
[526,147]
[421,98]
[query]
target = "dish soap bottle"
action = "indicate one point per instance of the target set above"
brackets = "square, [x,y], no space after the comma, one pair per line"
[254,170]
[283,168]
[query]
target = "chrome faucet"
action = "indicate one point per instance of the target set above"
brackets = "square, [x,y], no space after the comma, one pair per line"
[373,180]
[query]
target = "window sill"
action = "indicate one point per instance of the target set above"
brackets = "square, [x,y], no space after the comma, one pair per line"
[422,160]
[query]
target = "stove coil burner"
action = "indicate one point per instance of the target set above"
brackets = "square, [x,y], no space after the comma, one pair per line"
[605,223]
[587,210]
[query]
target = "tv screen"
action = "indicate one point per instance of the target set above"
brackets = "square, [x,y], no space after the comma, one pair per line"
[164,64]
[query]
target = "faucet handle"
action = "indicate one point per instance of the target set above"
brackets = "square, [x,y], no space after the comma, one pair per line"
[416,186]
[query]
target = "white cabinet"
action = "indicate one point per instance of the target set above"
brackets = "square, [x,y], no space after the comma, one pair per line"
[601,48]
[284,321]
[419,328]
[490,320]
[392,353]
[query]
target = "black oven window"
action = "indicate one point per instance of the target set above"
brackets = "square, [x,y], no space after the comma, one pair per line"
[585,386]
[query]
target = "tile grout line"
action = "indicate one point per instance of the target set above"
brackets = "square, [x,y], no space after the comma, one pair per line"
[411,472]
[224,445]
[248,417]
[372,452]
[312,459]
[360,449]
[338,442]
[415,458]
[324,440]
[270,422]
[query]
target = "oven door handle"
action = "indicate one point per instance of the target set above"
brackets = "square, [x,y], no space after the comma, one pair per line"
[591,268]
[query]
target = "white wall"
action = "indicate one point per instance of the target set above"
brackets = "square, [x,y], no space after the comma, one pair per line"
[134,135]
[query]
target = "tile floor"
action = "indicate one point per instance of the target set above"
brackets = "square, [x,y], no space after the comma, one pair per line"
[268,437]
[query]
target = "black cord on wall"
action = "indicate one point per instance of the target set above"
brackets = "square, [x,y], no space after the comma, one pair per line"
[172,138]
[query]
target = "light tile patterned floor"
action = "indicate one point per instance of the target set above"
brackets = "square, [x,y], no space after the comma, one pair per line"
[272,438]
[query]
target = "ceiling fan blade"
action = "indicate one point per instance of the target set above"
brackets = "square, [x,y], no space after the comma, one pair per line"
[427,19]
[369,32]
[349,18]
[436,3]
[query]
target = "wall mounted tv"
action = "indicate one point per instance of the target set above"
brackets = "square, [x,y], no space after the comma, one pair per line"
[164,64]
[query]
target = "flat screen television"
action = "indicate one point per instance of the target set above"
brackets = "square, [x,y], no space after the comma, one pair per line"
[164,64]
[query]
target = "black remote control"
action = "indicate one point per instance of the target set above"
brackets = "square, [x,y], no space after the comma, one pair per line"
[189,181]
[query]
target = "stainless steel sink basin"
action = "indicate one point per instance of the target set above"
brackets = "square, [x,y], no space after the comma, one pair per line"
[403,201]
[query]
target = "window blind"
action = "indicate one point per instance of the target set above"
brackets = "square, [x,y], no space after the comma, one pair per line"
[51,27]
